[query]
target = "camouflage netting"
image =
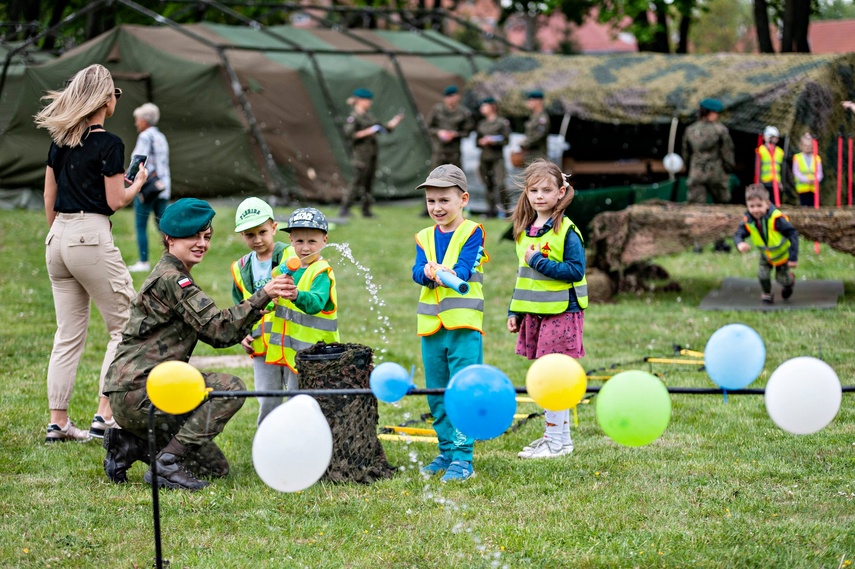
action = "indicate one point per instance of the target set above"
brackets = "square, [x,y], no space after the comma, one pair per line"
[793,92]
[358,455]
[629,238]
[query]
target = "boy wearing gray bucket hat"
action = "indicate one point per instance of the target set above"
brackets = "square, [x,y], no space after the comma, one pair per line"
[310,307]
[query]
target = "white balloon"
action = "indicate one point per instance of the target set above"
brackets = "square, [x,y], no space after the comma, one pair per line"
[672,163]
[292,447]
[803,395]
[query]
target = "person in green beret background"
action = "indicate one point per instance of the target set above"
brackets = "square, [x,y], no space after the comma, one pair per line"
[536,130]
[362,128]
[168,317]
[708,154]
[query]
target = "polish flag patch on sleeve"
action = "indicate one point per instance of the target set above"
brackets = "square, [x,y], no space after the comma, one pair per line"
[184,282]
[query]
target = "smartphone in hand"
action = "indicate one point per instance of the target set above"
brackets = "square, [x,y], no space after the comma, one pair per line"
[136,160]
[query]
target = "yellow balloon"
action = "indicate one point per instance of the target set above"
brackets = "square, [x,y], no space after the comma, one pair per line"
[176,387]
[556,382]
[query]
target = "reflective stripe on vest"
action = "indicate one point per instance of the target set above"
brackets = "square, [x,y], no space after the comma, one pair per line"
[807,170]
[294,330]
[442,307]
[259,341]
[534,292]
[775,246]
[766,164]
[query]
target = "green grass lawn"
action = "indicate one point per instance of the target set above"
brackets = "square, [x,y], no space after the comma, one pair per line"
[723,487]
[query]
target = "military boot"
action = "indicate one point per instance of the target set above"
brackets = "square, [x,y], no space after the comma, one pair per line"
[123,450]
[171,473]
[208,460]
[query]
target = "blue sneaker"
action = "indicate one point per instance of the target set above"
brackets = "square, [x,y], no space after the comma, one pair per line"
[439,464]
[458,470]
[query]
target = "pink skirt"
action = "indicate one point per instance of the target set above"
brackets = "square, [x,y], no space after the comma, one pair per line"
[551,334]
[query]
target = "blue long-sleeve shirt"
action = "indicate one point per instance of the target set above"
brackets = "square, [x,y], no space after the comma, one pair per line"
[466,261]
[572,267]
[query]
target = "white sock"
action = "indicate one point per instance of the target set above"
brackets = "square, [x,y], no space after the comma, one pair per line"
[554,424]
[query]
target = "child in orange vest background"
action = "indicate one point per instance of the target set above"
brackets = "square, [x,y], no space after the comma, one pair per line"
[807,170]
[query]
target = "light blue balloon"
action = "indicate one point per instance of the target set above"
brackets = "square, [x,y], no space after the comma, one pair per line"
[390,382]
[734,356]
[481,401]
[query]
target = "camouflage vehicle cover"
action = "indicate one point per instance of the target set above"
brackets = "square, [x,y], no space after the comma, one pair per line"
[295,83]
[796,92]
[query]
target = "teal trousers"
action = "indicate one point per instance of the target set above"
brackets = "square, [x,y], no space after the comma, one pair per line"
[445,353]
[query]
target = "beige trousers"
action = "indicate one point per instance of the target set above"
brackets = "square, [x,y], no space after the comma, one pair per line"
[83,265]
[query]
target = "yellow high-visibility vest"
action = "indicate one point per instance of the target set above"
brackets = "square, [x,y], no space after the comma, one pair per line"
[443,307]
[293,330]
[774,245]
[807,170]
[766,164]
[535,293]
[261,330]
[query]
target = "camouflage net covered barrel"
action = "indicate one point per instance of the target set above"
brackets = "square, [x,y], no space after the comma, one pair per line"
[358,455]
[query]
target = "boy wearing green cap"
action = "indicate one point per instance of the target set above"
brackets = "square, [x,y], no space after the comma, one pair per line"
[254,221]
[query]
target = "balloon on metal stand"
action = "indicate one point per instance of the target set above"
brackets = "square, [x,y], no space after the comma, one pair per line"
[556,382]
[803,395]
[176,387]
[480,401]
[390,382]
[293,445]
[734,356]
[633,408]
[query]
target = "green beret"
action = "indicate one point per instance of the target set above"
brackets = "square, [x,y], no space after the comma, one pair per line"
[186,218]
[488,101]
[363,93]
[451,90]
[535,94]
[713,105]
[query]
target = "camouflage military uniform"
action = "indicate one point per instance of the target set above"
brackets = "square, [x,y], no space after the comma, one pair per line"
[168,316]
[536,133]
[708,151]
[492,167]
[363,161]
[458,120]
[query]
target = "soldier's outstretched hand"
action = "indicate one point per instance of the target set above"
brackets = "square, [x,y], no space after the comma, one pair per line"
[279,286]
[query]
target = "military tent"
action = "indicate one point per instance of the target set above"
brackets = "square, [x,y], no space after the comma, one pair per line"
[249,109]
[628,109]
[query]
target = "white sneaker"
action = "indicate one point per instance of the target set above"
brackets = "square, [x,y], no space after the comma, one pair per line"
[533,444]
[70,433]
[546,449]
[140,267]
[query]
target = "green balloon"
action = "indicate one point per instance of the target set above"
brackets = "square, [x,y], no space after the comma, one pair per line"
[633,408]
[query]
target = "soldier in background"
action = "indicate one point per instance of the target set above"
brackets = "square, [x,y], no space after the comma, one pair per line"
[362,128]
[536,128]
[447,123]
[708,153]
[493,134]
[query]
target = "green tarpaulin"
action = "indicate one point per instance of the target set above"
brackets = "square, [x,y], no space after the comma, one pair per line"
[222,88]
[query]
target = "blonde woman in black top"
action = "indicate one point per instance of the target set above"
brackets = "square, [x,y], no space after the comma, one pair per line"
[84,186]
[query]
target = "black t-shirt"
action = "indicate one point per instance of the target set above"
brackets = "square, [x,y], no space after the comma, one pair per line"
[80,172]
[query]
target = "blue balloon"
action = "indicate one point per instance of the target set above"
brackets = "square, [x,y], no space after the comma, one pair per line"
[481,401]
[734,356]
[390,382]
